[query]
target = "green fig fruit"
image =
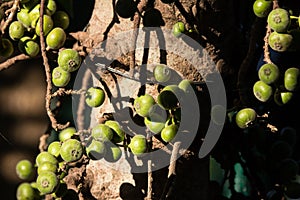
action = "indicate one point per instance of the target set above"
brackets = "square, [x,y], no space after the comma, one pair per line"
[262,91]
[279,20]
[280,41]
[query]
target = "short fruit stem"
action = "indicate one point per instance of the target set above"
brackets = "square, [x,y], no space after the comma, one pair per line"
[294,17]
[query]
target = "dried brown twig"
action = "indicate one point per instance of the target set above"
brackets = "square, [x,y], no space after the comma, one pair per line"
[63,92]
[48,98]
[9,62]
[136,23]
[267,58]
[12,11]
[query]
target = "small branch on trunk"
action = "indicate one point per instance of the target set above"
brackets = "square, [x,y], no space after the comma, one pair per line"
[9,62]
[63,92]
[81,104]
[267,58]
[12,11]
[136,25]
[149,163]
[168,189]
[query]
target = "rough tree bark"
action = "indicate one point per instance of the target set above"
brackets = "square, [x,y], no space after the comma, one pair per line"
[217,25]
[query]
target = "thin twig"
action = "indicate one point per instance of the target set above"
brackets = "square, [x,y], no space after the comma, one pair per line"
[136,25]
[63,92]
[149,163]
[10,18]
[9,62]
[172,172]
[7,4]
[275,4]
[48,98]
[81,104]
[43,142]
[174,155]
[267,58]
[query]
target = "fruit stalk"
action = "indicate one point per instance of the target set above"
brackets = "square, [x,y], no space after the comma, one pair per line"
[12,13]
[275,4]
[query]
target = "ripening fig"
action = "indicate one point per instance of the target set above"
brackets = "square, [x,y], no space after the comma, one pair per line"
[169,132]
[47,26]
[61,19]
[178,29]
[7,48]
[96,150]
[16,30]
[245,117]
[113,153]
[282,97]
[24,169]
[56,38]
[186,86]
[95,96]
[155,124]
[138,145]
[51,7]
[118,133]
[66,133]
[279,20]
[60,77]
[45,157]
[54,148]
[25,191]
[156,119]
[162,73]
[102,132]
[280,41]
[291,78]
[262,91]
[29,46]
[268,73]
[47,182]
[69,59]
[24,18]
[71,150]
[47,167]
[262,8]
[143,104]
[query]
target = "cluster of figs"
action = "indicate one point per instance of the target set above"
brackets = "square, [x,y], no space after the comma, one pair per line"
[24,30]
[285,35]
[272,84]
